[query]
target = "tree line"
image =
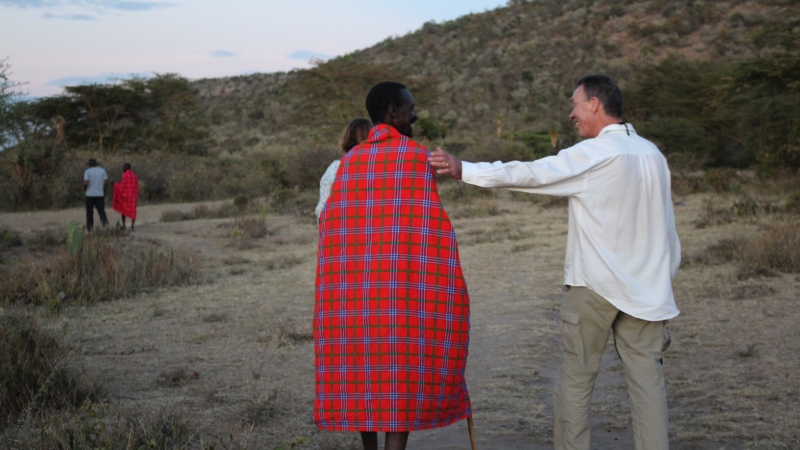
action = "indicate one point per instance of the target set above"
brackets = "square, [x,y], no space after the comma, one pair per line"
[739,113]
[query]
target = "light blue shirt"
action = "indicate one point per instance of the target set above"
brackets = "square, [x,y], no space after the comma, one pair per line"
[95,176]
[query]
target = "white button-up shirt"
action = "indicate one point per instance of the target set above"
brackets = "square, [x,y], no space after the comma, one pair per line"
[622,241]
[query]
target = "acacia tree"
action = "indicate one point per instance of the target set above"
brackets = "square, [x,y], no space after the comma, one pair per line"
[170,118]
[138,115]
[333,92]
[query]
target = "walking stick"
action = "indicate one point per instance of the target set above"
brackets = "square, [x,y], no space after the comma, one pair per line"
[472,433]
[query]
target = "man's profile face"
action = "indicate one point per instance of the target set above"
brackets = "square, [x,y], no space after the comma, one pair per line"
[582,113]
[404,115]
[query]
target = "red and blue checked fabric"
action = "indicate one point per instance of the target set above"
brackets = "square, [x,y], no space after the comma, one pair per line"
[126,194]
[391,318]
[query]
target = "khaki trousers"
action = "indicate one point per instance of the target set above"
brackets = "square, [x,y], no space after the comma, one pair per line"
[586,319]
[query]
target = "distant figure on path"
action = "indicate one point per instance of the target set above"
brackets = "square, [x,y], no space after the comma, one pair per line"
[126,195]
[622,254]
[354,133]
[391,314]
[95,182]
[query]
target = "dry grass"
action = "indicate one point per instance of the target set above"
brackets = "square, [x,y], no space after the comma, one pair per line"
[732,370]
[33,376]
[774,249]
[202,211]
[101,267]
[100,426]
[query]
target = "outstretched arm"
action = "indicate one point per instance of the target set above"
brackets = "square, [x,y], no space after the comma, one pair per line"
[445,163]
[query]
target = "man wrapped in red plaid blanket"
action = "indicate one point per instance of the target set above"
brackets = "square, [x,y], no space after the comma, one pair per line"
[126,195]
[391,319]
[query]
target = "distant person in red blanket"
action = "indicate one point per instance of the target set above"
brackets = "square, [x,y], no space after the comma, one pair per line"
[391,316]
[126,195]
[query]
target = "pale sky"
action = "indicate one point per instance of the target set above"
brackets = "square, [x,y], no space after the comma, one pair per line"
[53,43]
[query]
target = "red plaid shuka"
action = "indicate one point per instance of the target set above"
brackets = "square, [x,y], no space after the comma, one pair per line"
[126,194]
[391,318]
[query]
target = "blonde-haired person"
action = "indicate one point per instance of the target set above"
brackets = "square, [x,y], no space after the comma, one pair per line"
[355,133]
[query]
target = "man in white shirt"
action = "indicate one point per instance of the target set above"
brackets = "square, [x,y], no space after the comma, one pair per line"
[622,253]
[95,182]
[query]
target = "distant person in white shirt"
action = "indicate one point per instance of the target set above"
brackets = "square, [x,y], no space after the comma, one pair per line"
[622,253]
[95,182]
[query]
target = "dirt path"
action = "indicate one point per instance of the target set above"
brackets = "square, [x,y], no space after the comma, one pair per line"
[233,354]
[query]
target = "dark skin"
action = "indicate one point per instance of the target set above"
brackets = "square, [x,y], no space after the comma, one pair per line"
[402,116]
[399,117]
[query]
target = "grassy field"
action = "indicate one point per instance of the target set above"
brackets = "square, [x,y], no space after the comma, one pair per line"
[226,361]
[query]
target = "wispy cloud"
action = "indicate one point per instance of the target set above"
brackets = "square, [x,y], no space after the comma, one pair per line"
[134,6]
[77,80]
[68,16]
[27,3]
[222,54]
[94,5]
[306,55]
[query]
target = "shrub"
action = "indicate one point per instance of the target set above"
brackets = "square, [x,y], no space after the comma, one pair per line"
[32,374]
[685,185]
[221,211]
[8,239]
[240,202]
[294,201]
[98,426]
[722,179]
[101,267]
[252,227]
[777,248]
[303,168]
[173,215]
[792,203]
[281,198]
[746,207]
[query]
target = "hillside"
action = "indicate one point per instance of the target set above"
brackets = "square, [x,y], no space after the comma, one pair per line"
[510,70]
[715,84]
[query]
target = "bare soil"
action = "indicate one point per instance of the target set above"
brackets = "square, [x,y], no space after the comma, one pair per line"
[233,354]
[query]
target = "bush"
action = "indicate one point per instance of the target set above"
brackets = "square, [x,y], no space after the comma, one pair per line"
[98,426]
[792,203]
[722,179]
[32,375]
[252,227]
[221,211]
[776,249]
[303,168]
[8,239]
[746,207]
[100,267]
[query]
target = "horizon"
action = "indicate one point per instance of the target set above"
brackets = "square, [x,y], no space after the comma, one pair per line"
[55,43]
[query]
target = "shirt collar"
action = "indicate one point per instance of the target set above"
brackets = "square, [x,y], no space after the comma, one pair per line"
[616,127]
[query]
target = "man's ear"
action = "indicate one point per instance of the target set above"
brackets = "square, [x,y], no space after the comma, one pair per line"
[594,105]
[392,111]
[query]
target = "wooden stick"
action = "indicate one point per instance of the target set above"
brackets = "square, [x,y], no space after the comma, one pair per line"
[472,433]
